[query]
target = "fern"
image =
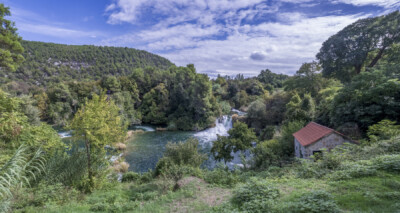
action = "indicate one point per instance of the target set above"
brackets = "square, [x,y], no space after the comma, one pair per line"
[18,171]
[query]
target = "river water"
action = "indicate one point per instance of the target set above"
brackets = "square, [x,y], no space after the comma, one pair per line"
[145,149]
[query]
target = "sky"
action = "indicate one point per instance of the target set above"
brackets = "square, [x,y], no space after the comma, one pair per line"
[224,37]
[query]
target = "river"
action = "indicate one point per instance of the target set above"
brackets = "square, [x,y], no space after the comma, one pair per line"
[145,149]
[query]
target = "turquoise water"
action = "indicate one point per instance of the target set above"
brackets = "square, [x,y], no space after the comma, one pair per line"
[145,149]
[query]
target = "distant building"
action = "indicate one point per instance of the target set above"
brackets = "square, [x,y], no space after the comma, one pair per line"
[311,139]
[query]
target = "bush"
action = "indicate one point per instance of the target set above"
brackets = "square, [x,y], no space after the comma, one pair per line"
[44,194]
[221,177]
[314,202]
[357,169]
[308,169]
[183,153]
[147,177]
[130,177]
[255,196]
[144,192]
[98,207]
[389,163]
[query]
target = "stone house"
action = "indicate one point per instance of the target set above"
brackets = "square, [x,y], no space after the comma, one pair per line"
[311,139]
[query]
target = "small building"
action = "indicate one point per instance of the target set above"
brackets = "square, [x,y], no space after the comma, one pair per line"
[311,139]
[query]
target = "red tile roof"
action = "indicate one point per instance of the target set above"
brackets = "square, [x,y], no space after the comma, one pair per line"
[312,133]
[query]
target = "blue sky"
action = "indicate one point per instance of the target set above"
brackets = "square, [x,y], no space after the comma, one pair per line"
[219,36]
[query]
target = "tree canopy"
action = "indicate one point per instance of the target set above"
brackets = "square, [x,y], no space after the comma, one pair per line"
[359,46]
[10,47]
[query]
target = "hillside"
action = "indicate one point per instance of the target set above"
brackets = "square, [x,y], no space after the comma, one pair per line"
[49,62]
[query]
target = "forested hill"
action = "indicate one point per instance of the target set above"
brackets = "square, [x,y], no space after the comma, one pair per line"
[49,62]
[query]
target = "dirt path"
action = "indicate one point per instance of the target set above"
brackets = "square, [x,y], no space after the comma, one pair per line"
[204,196]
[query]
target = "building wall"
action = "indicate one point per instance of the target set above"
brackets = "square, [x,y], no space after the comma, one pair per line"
[328,142]
[299,150]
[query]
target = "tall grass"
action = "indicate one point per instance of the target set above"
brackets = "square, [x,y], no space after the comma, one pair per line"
[19,171]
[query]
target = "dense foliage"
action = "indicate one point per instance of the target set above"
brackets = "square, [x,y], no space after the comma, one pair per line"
[48,62]
[11,49]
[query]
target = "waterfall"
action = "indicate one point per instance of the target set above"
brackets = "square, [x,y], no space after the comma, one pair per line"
[222,125]
[144,128]
[66,134]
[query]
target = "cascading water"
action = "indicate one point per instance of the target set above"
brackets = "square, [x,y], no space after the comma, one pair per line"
[208,136]
[222,126]
[144,128]
[66,134]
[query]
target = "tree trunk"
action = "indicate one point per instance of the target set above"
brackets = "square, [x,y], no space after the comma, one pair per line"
[358,69]
[377,57]
[90,175]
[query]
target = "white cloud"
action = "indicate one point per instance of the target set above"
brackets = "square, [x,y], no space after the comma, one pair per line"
[27,21]
[129,11]
[381,3]
[222,37]
[281,47]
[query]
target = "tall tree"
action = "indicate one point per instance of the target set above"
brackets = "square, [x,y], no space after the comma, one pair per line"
[361,44]
[10,48]
[369,98]
[98,124]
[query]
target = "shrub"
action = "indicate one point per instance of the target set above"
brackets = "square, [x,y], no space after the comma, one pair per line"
[144,192]
[146,177]
[259,206]
[221,177]
[314,202]
[267,133]
[357,169]
[43,194]
[130,177]
[390,163]
[182,153]
[124,166]
[98,207]
[120,146]
[255,195]
[308,169]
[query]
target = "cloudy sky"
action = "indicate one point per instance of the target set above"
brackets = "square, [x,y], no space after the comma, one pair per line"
[218,36]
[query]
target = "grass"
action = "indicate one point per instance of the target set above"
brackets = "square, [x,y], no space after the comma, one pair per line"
[194,196]
[369,194]
[379,193]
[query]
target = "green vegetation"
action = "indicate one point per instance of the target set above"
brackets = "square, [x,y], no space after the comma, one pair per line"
[97,91]
[47,62]
[240,139]
[11,49]
[97,123]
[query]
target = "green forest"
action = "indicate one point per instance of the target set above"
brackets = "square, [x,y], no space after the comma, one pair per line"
[98,93]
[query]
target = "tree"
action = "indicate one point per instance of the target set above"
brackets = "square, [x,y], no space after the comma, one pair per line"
[272,79]
[369,98]
[383,130]
[276,107]
[155,105]
[361,44]
[286,139]
[98,124]
[222,149]
[240,139]
[300,109]
[10,47]
[256,114]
